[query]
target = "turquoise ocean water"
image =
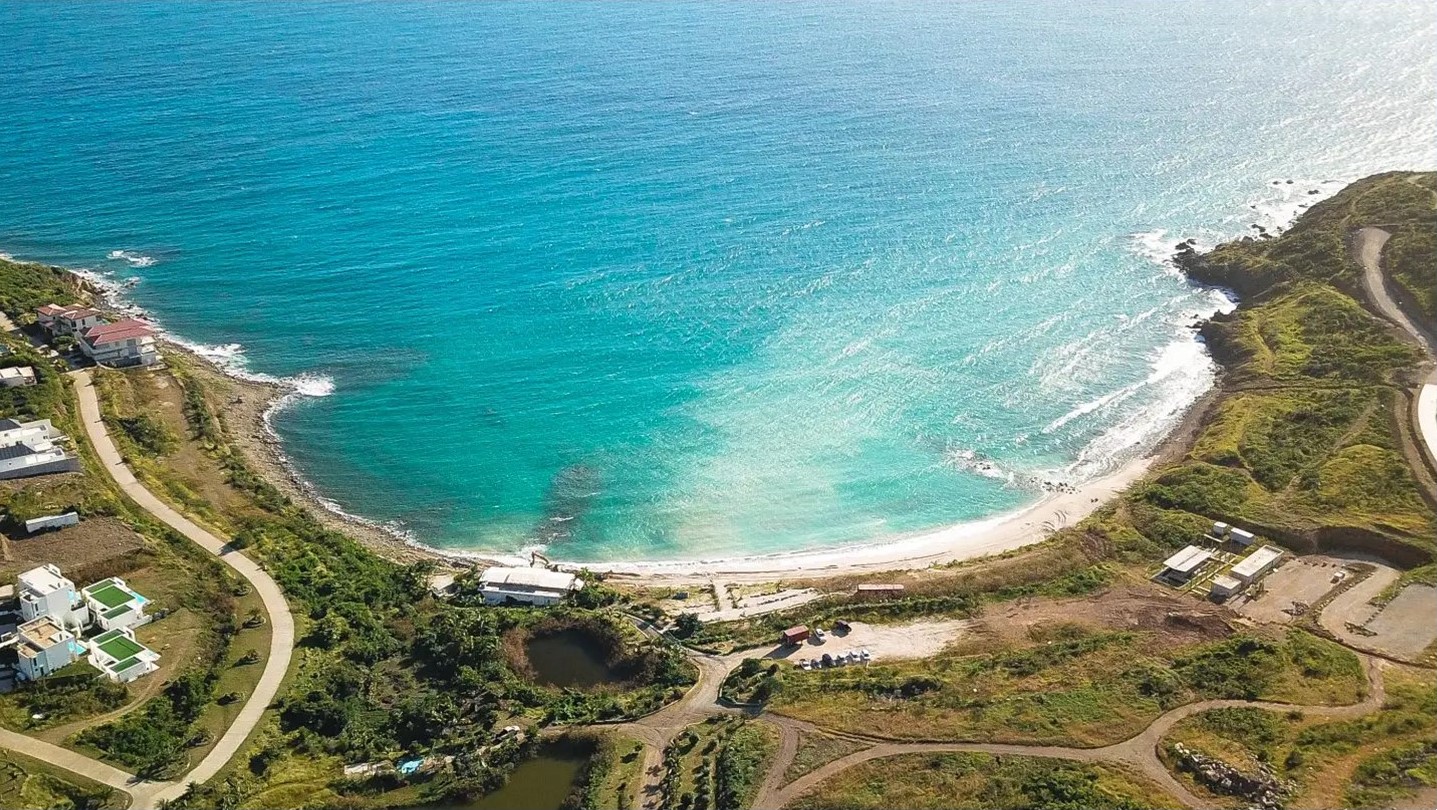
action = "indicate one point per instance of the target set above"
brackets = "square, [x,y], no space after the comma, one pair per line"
[661,280]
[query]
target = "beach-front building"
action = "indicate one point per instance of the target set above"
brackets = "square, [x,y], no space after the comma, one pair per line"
[527,586]
[17,376]
[29,448]
[43,647]
[120,657]
[114,605]
[44,591]
[130,342]
[67,320]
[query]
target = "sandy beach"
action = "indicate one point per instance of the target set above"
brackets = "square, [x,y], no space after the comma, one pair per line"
[250,400]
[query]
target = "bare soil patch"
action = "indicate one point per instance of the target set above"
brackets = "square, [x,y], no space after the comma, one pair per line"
[1305,580]
[1177,620]
[1405,627]
[95,540]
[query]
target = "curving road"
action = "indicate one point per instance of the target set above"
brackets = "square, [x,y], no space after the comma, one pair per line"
[1138,752]
[150,794]
[1368,244]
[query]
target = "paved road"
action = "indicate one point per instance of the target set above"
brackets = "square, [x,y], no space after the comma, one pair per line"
[150,794]
[1368,245]
[67,759]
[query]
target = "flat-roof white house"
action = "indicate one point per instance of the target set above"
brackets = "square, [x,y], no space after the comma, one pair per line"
[44,647]
[1257,563]
[114,605]
[530,586]
[130,342]
[17,376]
[1181,566]
[1224,586]
[29,448]
[44,591]
[120,657]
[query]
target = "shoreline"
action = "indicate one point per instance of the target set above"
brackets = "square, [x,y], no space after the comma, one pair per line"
[253,399]
[251,402]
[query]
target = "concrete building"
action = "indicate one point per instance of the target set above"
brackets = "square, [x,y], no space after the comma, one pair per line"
[114,606]
[1256,564]
[1219,529]
[529,586]
[44,591]
[120,657]
[17,376]
[48,522]
[1242,537]
[1180,567]
[29,448]
[43,647]
[1224,586]
[130,342]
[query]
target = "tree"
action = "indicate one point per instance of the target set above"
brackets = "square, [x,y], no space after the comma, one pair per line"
[687,624]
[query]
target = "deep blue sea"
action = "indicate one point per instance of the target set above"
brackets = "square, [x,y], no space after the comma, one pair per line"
[656,280]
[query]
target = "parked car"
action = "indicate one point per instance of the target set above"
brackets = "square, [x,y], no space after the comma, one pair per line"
[827,660]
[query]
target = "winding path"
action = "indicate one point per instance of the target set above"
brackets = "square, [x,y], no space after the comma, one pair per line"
[146,794]
[1138,752]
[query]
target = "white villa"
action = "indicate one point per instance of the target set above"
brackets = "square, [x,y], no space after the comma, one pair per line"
[44,591]
[17,376]
[28,448]
[120,657]
[114,606]
[44,647]
[130,342]
[71,320]
[530,586]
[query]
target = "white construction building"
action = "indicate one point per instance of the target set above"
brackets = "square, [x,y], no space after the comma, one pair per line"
[114,605]
[1224,586]
[1180,567]
[529,586]
[44,591]
[17,376]
[29,448]
[123,659]
[1256,564]
[43,647]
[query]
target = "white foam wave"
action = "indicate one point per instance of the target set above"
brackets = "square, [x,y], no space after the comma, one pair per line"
[131,258]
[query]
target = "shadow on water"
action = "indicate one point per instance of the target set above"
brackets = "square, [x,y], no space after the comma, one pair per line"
[541,783]
[570,658]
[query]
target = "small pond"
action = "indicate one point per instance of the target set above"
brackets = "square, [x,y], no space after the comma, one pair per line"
[541,783]
[567,658]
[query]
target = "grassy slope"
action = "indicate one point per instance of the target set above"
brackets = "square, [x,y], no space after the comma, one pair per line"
[1333,763]
[1304,439]
[962,781]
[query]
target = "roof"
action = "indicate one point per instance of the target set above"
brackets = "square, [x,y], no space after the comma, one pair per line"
[44,580]
[51,309]
[117,645]
[1188,559]
[796,630]
[10,424]
[17,371]
[1225,583]
[110,593]
[528,579]
[1254,563]
[43,632]
[22,449]
[120,330]
[79,313]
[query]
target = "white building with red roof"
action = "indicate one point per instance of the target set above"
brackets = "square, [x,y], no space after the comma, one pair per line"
[71,320]
[130,342]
